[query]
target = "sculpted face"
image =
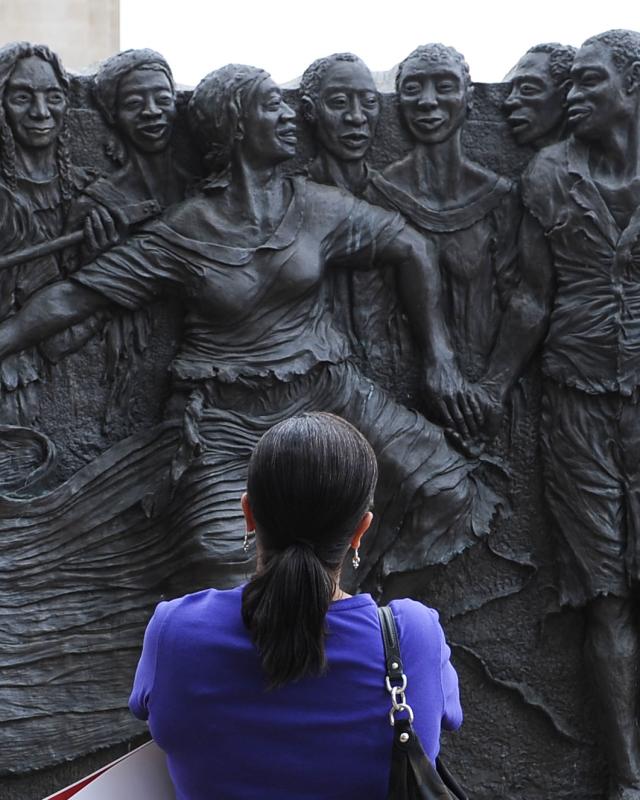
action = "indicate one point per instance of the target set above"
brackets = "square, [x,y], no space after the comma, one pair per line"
[433,99]
[347,110]
[535,106]
[146,109]
[598,98]
[268,127]
[34,103]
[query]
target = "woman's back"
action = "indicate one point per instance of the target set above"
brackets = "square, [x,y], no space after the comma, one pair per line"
[327,737]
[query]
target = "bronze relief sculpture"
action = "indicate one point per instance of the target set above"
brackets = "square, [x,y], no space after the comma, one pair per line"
[408,244]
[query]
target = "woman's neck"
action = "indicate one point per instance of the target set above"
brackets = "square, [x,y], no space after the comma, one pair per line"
[257,196]
[37,163]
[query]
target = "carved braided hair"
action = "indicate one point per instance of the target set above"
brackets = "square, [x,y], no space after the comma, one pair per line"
[10,54]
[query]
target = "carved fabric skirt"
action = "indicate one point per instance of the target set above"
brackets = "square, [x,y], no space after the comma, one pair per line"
[429,505]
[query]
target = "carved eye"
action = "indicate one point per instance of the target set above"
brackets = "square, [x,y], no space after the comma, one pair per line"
[446,87]
[132,102]
[165,100]
[589,79]
[337,101]
[370,101]
[411,87]
[20,98]
[55,97]
[529,89]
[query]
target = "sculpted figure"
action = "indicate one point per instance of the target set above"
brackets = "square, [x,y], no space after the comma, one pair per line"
[249,257]
[537,101]
[583,230]
[471,215]
[135,91]
[35,165]
[340,101]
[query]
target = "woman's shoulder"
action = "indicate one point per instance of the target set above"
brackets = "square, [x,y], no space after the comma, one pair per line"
[195,604]
[417,621]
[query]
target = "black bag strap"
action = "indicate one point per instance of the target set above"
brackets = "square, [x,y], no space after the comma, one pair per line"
[391,643]
[430,782]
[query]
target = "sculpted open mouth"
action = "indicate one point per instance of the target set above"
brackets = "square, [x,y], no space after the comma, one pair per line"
[288,135]
[518,124]
[577,113]
[429,123]
[354,140]
[155,131]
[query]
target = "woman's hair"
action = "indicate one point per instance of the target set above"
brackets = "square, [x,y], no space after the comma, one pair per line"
[311,480]
[217,106]
[10,54]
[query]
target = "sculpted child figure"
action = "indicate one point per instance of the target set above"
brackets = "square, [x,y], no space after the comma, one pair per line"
[249,257]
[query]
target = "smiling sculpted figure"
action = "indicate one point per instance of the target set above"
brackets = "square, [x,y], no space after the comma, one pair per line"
[340,101]
[471,215]
[537,100]
[249,257]
[35,164]
[135,91]
[583,231]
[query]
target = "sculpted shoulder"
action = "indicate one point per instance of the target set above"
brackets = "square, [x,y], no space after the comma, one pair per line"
[400,172]
[546,163]
[188,217]
[322,201]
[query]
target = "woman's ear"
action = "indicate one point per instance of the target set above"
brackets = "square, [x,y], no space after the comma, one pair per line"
[248,513]
[363,527]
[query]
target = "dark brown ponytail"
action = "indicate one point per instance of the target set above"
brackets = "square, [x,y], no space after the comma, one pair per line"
[311,480]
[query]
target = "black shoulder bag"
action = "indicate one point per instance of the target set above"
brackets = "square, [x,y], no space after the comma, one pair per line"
[413,776]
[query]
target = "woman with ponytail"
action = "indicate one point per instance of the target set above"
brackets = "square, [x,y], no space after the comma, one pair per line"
[276,689]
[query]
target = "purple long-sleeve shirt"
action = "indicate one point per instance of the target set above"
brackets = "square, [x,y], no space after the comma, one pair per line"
[199,683]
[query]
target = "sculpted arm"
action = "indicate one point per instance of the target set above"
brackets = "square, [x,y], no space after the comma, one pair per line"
[47,312]
[525,319]
[420,293]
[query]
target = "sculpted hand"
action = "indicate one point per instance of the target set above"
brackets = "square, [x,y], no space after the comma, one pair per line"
[490,398]
[455,404]
[102,230]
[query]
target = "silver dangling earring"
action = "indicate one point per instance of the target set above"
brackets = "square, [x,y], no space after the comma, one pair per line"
[356,559]
[245,544]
